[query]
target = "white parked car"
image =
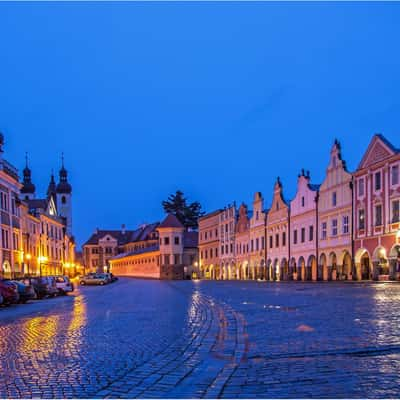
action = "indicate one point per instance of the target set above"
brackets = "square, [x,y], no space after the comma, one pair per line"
[64,285]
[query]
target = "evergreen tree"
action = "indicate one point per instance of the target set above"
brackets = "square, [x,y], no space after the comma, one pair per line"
[187,214]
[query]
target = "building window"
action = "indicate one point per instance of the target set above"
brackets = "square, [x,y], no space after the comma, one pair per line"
[334,199]
[284,239]
[226,249]
[63,200]
[395,175]
[216,252]
[303,235]
[252,245]
[346,224]
[323,231]
[176,239]
[216,233]
[361,187]
[205,235]
[211,253]
[302,201]
[271,242]
[222,250]
[257,244]
[206,254]
[277,240]
[262,242]
[311,233]
[377,181]
[166,240]
[395,211]
[176,259]
[361,219]
[295,236]
[378,215]
[166,259]
[334,227]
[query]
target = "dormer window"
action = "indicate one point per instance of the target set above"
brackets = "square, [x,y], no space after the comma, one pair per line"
[302,201]
[334,199]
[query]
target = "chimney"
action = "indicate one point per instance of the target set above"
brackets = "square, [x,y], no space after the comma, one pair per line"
[123,229]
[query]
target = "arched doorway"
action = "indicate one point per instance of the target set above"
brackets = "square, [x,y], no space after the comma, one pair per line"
[323,272]
[269,270]
[293,269]
[6,270]
[284,270]
[363,265]
[311,271]
[380,264]
[275,270]
[301,267]
[346,266]
[262,270]
[333,266]
[394,262]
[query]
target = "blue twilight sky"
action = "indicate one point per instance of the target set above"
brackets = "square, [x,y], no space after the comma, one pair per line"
[216,99]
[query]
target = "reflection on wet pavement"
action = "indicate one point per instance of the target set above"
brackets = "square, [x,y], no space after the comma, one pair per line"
[205,339]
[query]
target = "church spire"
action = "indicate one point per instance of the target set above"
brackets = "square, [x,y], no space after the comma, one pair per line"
[63,186]
[28,187]
[51,190]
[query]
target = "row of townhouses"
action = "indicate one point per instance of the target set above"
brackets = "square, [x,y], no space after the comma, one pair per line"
[36,233]
[163,250]
[347,228]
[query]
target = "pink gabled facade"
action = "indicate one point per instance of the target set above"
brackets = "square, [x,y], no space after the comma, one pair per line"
[303,229]
[347,228]
[257,239]
[242,234]
[278,238]
[377,197]
[335,220]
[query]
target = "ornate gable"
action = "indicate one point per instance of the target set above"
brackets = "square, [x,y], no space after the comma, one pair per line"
[379,149]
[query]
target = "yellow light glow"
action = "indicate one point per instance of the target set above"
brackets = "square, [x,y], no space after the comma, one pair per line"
[398,234]
[28,256]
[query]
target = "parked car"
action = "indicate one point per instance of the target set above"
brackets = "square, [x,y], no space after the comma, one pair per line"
[64,285]
[94,279]
[113,278]
[9,292]
[44,286]
[25,290]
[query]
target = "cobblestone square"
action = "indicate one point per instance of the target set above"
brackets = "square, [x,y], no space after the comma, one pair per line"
[231,339]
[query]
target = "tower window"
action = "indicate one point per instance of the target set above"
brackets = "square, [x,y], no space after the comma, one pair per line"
[63,200]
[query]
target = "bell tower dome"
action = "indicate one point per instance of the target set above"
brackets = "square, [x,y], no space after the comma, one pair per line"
[28,189]
[64,197]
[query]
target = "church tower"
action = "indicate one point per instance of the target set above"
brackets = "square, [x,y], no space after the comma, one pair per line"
[64,197]
[28,189]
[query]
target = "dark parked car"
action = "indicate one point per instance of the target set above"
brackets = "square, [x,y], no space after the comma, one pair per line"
[44,286]
[25,290]
[9,292]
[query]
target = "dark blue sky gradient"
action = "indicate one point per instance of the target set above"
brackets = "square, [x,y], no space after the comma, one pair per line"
[216,99]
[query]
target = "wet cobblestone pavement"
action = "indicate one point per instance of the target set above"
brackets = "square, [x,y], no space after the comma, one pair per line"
[152,339]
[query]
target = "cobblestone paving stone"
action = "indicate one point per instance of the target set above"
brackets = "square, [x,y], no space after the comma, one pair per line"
[151,339]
